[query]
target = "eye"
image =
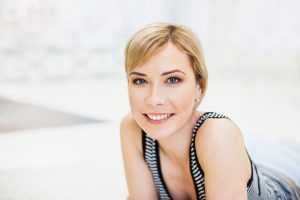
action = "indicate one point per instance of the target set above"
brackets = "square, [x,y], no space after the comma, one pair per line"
[138,81]
[173,80]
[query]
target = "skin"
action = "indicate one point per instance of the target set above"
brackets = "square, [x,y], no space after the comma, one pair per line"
[166,84]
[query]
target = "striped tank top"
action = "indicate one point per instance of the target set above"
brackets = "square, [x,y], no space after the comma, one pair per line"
[264,184]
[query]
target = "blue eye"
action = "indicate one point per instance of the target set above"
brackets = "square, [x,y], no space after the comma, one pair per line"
[138,81]
[173,80]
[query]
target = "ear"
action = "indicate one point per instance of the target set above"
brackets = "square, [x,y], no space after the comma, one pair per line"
[198,95]
[198,90]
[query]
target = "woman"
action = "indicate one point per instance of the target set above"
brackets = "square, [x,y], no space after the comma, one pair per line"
[173,151]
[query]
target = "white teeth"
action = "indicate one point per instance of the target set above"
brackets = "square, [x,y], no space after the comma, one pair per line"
[159,117]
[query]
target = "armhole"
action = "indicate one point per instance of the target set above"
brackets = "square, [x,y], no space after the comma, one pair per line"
[143,143]
[249,183]
[195,146]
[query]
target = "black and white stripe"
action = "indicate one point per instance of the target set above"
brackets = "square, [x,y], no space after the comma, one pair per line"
[259,187]
[151,156]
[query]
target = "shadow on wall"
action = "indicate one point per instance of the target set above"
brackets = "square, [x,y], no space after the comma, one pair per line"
[16,116]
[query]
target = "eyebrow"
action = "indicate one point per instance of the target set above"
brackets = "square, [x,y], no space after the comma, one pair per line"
[163,74]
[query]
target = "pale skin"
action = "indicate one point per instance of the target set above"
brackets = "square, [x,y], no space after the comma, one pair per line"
[166,83]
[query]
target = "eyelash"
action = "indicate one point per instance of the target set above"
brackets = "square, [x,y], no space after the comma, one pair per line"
[134,81]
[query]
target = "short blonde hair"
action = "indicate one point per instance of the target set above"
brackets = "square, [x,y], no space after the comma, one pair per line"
[149,39]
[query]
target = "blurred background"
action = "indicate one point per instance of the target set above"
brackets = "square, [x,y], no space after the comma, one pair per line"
[63,85]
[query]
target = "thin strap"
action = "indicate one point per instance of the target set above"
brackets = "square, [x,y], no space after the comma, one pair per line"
[159,171]
[194,157]
[195,167]
[251,177]
[151,156]
[143,143]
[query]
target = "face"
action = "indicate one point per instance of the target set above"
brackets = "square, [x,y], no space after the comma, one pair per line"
[162,92]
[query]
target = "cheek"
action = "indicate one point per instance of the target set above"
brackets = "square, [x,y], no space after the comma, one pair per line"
[183,97]
[135,100]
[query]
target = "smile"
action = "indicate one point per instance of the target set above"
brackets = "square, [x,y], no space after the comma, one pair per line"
[158,118]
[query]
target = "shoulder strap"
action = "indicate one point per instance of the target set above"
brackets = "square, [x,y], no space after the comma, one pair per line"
[202,119]
[143,142]
[151,157]
[253,184]
[195,167]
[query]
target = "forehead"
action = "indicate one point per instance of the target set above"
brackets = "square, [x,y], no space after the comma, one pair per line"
[167,58]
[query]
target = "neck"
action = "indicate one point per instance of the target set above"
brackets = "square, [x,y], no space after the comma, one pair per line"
[176,146]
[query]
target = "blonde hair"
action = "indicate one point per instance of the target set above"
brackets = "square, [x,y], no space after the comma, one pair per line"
[149,39]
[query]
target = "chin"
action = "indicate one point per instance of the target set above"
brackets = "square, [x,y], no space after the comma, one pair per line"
[159,132]
[158,135]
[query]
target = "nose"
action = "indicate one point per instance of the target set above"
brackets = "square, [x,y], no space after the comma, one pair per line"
[156,96]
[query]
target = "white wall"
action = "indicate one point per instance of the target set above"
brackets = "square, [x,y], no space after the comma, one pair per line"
[63,39]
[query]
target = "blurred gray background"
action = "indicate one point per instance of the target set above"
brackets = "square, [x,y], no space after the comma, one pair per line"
[63,86]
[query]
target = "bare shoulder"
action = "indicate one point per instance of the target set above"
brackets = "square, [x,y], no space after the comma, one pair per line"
[219,132]
[128,122]
[220,143]
[134,165]
[130,132]
[218,138]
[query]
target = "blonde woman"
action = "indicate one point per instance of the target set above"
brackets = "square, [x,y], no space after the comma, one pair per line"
[170,149]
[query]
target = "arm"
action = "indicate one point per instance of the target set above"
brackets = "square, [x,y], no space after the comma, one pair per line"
[224,160]
[138,177]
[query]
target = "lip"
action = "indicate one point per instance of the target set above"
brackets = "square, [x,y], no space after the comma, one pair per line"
[157,121]
[157,113]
